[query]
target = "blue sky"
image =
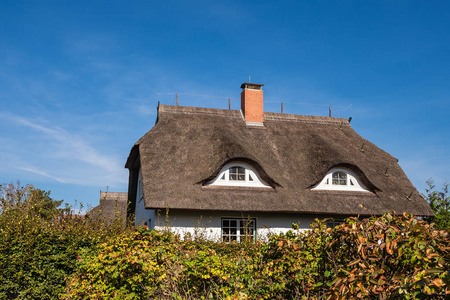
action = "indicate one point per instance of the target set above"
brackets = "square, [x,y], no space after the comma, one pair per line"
[80,80]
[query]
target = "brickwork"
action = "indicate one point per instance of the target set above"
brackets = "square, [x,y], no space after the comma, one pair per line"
[252,105]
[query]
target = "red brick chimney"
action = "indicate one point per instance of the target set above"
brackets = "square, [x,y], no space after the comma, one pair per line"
[252,103]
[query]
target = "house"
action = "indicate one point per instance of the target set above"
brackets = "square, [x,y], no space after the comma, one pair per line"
[112,207]
[249,172]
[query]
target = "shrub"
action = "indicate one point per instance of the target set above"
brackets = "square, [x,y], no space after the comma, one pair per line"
[439,203]
[390,257]
[47,252]
[39,243]
[158,265]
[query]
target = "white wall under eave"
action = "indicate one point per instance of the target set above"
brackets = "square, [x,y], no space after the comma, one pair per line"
[142,216]
[209,224]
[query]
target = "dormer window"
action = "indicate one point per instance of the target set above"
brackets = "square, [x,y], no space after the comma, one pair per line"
[340,179]
[238,174]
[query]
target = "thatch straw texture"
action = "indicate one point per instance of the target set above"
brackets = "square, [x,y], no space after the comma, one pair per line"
[113,205]
[188,146]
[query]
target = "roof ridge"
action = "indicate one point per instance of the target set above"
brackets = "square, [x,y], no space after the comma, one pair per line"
[235,113]
[199,111]
[304,118]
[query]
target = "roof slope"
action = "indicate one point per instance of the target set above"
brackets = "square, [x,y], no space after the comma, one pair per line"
[113,205]
[188,146]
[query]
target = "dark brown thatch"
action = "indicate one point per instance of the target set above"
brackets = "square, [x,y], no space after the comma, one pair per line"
[113,206]
[189,145]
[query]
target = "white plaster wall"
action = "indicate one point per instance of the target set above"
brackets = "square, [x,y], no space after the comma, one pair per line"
[143,215]
[209,224]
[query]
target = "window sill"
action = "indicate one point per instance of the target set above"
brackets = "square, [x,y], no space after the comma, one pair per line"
[239,188]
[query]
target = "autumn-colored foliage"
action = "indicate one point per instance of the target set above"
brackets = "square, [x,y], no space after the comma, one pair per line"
[390,257]
[48,253]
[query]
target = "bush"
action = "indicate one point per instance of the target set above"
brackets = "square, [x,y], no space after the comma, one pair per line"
[158,265]
[439,203]
[47,253]
[391,257]
[39,243]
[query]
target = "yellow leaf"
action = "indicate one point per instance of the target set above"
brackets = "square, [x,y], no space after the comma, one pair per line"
[438,282]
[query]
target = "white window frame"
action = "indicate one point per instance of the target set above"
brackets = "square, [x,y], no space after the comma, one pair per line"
[223,178]
[238,235]
[140,192]
[352,184]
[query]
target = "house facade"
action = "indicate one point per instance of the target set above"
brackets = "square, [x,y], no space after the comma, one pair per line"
[235,174]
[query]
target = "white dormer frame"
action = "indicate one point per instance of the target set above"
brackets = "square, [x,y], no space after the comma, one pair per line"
[238,174]
[339,179]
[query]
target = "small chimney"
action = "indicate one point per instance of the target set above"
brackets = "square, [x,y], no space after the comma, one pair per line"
[252,103]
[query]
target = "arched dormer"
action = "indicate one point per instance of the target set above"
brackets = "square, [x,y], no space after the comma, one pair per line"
[340,179]
[238,173]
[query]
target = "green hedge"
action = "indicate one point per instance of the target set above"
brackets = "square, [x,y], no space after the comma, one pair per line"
[40,243]
[49,253]
[391,257]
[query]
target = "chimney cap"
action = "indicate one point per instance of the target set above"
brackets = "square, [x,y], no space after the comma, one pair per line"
[251,86]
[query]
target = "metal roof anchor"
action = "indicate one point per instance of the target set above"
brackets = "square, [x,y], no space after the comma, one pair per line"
[409,197]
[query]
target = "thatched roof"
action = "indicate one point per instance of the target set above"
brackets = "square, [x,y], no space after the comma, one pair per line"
[189,145]
[113,205]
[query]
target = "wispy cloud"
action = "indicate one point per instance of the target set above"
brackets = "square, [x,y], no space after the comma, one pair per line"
[42,173]
[68,151]
[73,145]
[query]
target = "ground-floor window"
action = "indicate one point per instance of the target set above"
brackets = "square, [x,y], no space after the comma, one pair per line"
[238,229]
[334,223]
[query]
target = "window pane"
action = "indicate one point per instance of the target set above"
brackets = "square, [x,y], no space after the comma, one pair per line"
[339,178]
[250,177]
[246,223]
[237,173]
[332,224]
[238,229]
[246,231]
[246,238]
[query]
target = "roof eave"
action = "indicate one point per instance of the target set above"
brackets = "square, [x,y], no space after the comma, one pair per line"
[134,153]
